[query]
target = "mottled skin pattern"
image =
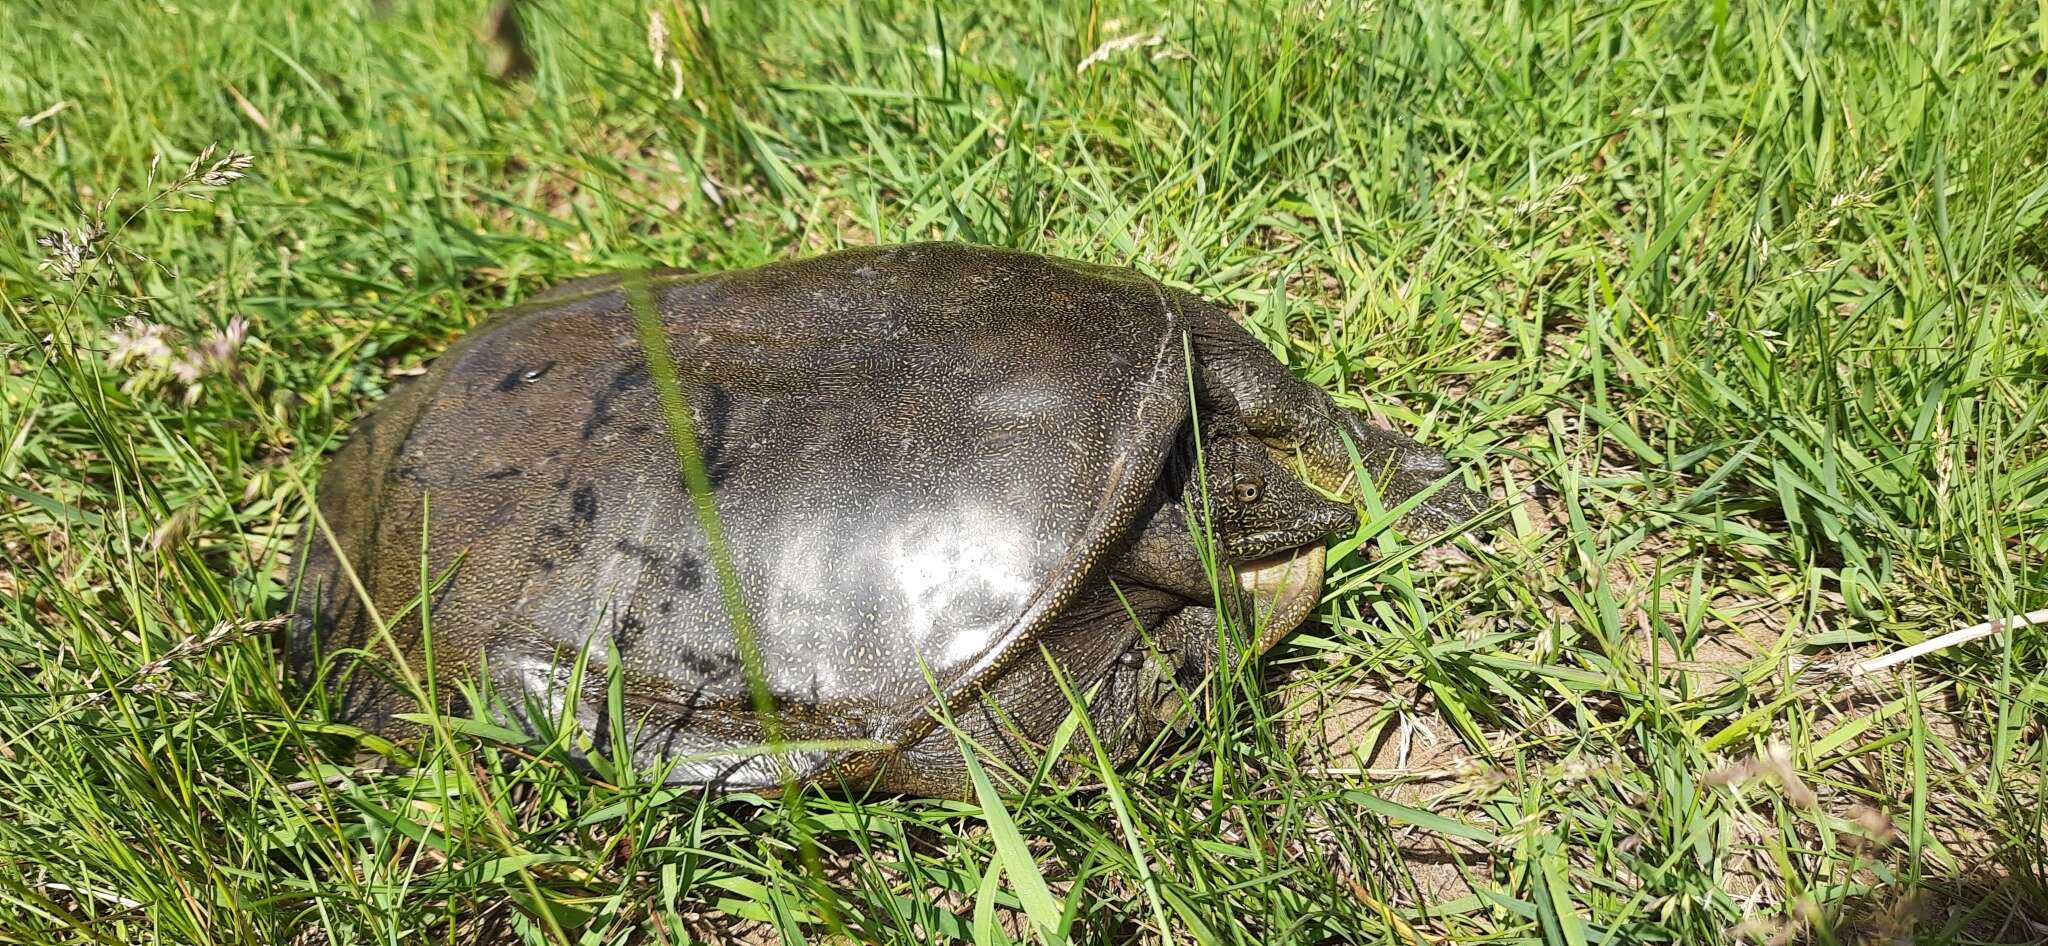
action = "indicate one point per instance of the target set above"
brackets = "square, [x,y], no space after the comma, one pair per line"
[929,458]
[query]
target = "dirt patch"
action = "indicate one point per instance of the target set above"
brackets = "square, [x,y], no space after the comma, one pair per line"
[1410,755]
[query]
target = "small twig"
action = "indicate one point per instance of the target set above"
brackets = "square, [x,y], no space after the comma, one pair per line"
[1947,640]
[1385,775]
[108,896]
[32,120]
[337,780]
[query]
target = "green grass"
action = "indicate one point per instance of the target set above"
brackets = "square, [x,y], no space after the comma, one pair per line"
[1743,304]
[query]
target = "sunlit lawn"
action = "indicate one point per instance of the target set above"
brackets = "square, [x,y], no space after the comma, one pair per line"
[1738,307]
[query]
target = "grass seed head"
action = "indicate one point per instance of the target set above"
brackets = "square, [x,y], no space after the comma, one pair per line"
[138,342]
[1773,764]
[65,252]
[172,531]
[657,39]
[1114,46]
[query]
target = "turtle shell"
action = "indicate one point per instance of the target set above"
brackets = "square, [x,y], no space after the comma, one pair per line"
[918,454]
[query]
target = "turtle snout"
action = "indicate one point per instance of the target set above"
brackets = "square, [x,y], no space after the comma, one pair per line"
[1307,523]
[1329,518]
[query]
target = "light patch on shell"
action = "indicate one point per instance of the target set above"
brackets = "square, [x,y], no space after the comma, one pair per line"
[969,644]
[793,607]
[544,685]
[1028,399]
[945,570]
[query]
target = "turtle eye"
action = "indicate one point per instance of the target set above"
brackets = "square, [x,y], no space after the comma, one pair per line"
[1249,489]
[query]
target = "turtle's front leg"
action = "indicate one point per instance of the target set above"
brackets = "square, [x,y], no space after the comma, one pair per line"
[1172,660]
[1175,658]
[1238,374]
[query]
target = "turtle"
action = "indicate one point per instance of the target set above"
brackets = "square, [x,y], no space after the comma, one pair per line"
[941,471]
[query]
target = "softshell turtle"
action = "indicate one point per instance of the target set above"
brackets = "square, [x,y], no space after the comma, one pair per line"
[931,460]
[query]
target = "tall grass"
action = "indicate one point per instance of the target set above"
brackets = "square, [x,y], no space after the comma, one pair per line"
[1742,303]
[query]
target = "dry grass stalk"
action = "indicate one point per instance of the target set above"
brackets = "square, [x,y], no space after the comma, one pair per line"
[1945,641]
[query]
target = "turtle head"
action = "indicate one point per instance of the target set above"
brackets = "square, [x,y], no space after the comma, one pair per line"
[1260,507]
